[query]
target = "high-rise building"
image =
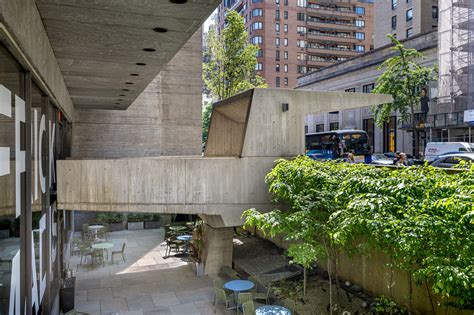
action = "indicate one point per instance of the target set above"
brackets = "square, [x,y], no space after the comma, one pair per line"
[296,37]
[403,18]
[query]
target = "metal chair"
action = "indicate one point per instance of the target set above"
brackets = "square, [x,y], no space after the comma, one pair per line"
[248,308]
[98,257]
[75,246]
[119,252]
[85,250]
[221,296]
[263,296]
[244,298]
[255,282]
[219,283]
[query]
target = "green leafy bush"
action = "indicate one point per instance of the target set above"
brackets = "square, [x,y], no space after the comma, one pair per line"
[422,217]
[110,217]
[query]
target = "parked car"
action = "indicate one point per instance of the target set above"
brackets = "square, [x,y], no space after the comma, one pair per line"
[434,150]
[411,160]
[381,159]
[450,160]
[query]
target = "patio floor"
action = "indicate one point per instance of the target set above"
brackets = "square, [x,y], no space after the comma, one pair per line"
[147,283]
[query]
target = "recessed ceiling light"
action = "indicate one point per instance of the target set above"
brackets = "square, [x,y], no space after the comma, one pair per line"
[134,74]
[140,64]
[117,103]
[128,82]
[149,49]
[122,95]
[178,1]
[119,99]
[160,29]
[126,90]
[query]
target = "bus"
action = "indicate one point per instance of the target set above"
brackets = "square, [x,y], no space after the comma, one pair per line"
[336,144]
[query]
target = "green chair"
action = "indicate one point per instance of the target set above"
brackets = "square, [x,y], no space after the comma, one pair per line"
[221,296]
[263,296]
[255,282]
[219,283]
[290,304]
[75,246]
[248,308]
[244,298]
[85,250]
[98,257]
[119,252]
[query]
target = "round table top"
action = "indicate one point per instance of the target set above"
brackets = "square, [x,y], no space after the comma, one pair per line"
[177,228]
[95,226]
[239,285]
[272,310]
[102,245]
[185,237]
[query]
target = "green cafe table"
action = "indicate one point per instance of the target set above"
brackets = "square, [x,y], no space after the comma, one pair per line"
[178,228]
[104,246]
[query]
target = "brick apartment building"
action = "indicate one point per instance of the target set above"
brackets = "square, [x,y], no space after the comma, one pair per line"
[300,36]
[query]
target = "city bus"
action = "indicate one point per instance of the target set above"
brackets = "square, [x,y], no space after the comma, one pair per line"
[336,144]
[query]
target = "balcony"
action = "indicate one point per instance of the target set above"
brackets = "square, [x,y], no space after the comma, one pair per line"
[321,63]
[333,51]
[328,24]
[332,37]
[336,11]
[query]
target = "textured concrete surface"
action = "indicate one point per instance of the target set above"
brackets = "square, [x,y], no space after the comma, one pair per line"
[97,44]
[147,283]
[164,120]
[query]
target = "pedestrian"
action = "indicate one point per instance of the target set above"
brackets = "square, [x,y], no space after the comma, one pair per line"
[351,158]
[403,159]
[396,160]
[335,146]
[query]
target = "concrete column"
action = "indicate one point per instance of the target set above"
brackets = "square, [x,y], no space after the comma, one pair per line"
[218,247]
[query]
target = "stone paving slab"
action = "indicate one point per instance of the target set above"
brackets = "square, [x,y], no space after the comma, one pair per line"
[146,283]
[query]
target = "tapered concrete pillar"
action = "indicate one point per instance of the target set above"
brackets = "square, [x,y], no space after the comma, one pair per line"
[218,247]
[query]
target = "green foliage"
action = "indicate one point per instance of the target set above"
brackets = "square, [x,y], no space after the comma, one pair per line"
[206,120]
[384,305]
[402,77]
[110,217]
[230,60]
[422,217]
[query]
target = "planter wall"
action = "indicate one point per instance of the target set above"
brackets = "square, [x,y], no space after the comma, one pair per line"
[152,224]
[135,225]
[115,227]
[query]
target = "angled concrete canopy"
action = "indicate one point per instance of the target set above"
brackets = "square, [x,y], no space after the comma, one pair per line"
[99,43]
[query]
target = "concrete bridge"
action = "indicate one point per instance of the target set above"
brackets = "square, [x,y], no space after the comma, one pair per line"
[248,132]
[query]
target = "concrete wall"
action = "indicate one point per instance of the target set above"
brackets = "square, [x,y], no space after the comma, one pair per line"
[164,120]
[22,30]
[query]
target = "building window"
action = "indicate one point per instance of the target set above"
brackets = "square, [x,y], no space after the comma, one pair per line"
[301,43]
[301,30]
[285,28]
[285,81]
[259,66]
[394,22]
[368,126]
[306,129]
[351,90]
[360,23]
[257,40]
[285,15]
[257,1]
[257,12]
[359,10]
[301,16]
[285,68]
[359,48]
[394,4]
[277,55]
[360,35]
[285,2]
[260,53]
[277,27]
[277,1]
[277,81]
[277,67]
[409,32]
[257,26]
[301,69]
[409,15]
[368,88]
[390,135]
[285,42]
[285,55]
[301,56]
[319,127]
[301,3]
[334,126]
[277,14]
[434,12]
[277,41]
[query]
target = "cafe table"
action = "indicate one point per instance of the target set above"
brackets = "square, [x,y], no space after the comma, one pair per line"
[103,246]
[186,238]
[238,286]
[272,310]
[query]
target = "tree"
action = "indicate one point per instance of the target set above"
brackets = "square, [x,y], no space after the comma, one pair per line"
[206,120]
[230,60]
[402,77]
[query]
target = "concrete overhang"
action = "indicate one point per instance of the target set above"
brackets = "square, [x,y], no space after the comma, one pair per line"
[100,45]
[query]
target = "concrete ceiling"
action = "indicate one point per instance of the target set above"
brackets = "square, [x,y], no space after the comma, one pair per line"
[98,44]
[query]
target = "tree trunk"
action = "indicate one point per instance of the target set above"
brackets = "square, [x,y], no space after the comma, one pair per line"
[410,291]
[305,281]
[330,286]
[416,150]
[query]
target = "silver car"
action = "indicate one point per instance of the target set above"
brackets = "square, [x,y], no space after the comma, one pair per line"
[450,160]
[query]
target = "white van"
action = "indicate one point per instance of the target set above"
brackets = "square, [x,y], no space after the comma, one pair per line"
[434,149]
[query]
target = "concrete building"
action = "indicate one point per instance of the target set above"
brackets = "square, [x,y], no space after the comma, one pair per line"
[404,19]
[296,37]
[359,75]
